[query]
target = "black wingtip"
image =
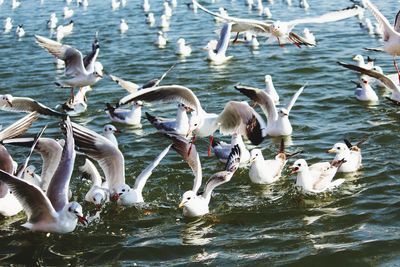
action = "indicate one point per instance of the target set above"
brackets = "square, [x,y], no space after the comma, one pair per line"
[233,159]
[347,142]
[150,117]
[253,131]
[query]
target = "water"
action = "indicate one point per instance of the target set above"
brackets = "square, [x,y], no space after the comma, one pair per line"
[248,224]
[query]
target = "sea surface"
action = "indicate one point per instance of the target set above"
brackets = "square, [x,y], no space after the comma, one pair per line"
[250,225]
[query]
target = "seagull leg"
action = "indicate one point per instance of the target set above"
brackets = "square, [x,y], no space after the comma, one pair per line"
[236,38]
[191,144]
[279,42]
[397,68]
[209,146]
[72,95]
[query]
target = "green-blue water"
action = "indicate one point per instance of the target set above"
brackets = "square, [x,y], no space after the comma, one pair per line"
[356,225]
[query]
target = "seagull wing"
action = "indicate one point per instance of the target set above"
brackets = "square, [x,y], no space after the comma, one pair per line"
[189,154]
[224,176]
[128,86]
[92,171]
[388,30]
[262,98]
[71,56]
[294,98]
[239,117]
[383,78]
[328,17]
[26,104]
[107,155]
[36,205]
[224,39]
[141,180]
[59,184]
[19,127]
[166,93]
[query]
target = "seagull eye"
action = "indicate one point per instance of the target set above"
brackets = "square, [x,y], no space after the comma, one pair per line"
[70,209]
[338,148]
[188,198]
[123,190]
[299,164]
[94,199]
[195,124]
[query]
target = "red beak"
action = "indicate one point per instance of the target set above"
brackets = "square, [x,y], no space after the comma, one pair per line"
[98,207]
[115,197]
[82,220]
[294,170]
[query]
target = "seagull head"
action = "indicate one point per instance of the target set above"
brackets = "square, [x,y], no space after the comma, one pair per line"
[194,123]
[282,112]
[98,200]
[138,104]
[255,154]
[339,148]
[188,198]
[121,190]
[6,100]
[279,29]
[75,209]
[110,129]
[298,166]
[30,170]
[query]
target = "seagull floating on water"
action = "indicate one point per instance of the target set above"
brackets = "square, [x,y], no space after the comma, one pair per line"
[8,25]
[350,153]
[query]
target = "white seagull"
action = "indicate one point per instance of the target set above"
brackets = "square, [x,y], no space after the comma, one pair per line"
[52,22]
[81,70]
[78,104]
[268,171]
[318,177]
[364,91]
[350,153]
[217,54]
[278,123]
[8,25]
[25,104]
[222,150]
[108,132]
[123,26]
[20,32]
[126,116]
[182,49]
[68,13]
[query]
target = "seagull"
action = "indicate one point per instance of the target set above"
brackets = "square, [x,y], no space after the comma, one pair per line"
[182,49]
[364,91]
[15,4]
[251,40]
[81,74]
[278,123]
[97,194]
[350,153]
[391,34]
[268,171]
[150,19]
[9,205]
[123,26]
[236,117]
[222,150]
[78,104]
[115,4]
[318,177]
[304,4]
[25,104]
[20,32]
[52,22]
[30,176]
[267,12]
[62,31]
[108,132]
[167,10]
[283,30]
[51,212]
[361,62]
[161,40]
[146,6]
[269,88]
[164,23]
[195,204]
[177,126]
[126,116]
[112,162]
[68,13]
[8,25]
[395,88]
[217,54]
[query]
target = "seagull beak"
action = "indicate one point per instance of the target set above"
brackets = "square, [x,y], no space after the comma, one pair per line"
[118,131]
[181,204]
[82,219]
[115,197]
[252,159]
[330,151]
[98,207]
[294,169]
[9,102]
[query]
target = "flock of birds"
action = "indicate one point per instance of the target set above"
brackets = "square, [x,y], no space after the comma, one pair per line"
[45,198]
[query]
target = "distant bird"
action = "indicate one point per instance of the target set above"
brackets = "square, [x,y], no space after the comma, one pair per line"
[167,10]
[267,12]
[68,13]
[161,40]
[115,4]
[78,104]
[251,40]
[150,19]
[20,32]
[182,49]
[217,52]
[8,25]
[63,30]
[304,4]
[15,4]
[164,23]
[52,22]
[146,6]
[123,26]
